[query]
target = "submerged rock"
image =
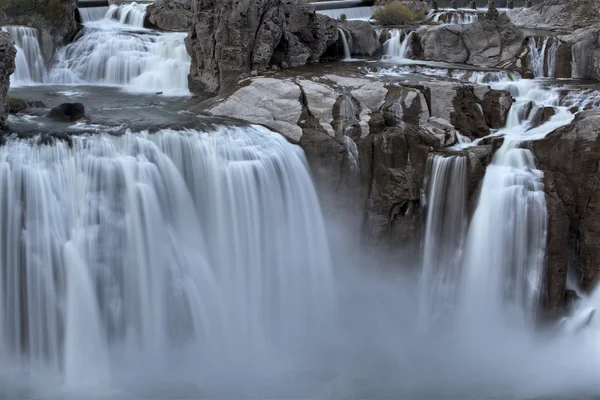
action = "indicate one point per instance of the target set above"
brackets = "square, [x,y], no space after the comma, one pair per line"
[67,112]
[7,67]
[16,106]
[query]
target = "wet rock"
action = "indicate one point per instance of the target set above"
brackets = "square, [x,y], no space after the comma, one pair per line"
[230,38]
[571,299]
[169,15]
[569,159]
[16,106]
[585,49]
[363,39]
[7,67]
[36,104]
[496,105]
[67,112]
[563,62]
[557,15]
[541,116]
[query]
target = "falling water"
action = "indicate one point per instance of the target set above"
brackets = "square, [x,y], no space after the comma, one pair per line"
[454,17]
[355,13]
[399,45]
[342,35]
[115,54]
[212,242]
[90,14]
[446,221]
[30,66]
[542,59]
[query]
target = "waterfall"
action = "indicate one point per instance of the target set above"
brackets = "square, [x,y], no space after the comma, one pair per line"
[90,14]
[454,17]
[446,221]
[114,54]
[354,13]
[398,47]
[347,55]
[30,66]
[213,242]
[542,59]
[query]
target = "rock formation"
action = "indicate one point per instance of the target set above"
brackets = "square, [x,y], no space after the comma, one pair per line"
[489,42]
[231,38]
[170,15]
[569,158]
[7,67]
[54,19]
[557,15]
[368,141]
[362,39]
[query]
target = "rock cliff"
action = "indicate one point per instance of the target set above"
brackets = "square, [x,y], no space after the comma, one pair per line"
[367,142]
[231,38]
[7,67]
[170,15]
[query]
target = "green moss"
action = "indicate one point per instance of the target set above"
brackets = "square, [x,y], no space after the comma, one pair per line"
[396,13]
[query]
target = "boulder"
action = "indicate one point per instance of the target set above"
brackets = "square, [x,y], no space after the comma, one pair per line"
[16,106]
[443,43]
[7,67]
[496,105]
[363,40]
[541,116]
[230,38]
[169,15]
[67,112]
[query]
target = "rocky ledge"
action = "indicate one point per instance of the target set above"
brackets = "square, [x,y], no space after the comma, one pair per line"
[367,141]
[7,67]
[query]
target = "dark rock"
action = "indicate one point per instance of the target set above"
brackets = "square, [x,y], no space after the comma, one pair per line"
[496,105]
[363,39]
[541,116]
[16,106]
[563,67]
[67,112]
[169,15]
[230,38]
[7,67]
[571,299]
[36,104]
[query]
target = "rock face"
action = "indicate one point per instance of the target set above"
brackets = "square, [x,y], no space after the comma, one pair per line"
[585,53]
[7,67]
[367,142]
[54,19]
[489,42]
[362,40]
[557,15]
[231,38]
[569,158]
[170,15]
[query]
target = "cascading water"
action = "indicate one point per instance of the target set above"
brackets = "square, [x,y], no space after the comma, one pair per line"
[446,221]
[122,246]
[342,35]
[90,14]
[454,17]
[30,66]
[124,54]
[398,47]
[542,59]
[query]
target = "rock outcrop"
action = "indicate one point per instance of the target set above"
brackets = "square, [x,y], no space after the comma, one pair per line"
[367,142]
[585,53]
[569,158]
[557,15]
[55,21]
[7,67]
[170,15]
[231,38]
[489,42]
[362,39]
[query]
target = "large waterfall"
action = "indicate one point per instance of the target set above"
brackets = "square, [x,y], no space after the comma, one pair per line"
[211,242]
[30,67]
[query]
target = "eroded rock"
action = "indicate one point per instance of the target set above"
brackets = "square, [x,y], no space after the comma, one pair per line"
[7,67]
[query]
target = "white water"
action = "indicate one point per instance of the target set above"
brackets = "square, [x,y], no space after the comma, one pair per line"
[151,244]
[129,14]
[355,13]
[454,17]
[342,35]
[90,14]
[542,59]
[446,222]
[30,66]
[398,47]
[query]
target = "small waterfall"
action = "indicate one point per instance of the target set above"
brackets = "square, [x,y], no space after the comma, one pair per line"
[122,247]
[91,14]
[399,45]
[542,58]
[347,55]
[454,17]
[30,66]
[446,221]
[112,54]
[130,14]
[355,13]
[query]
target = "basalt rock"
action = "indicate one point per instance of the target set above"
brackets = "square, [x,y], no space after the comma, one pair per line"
[557,15]
[363,40]
[569,159]
[367,142]
[170,15]
[7,67]
[67,112]
[230,38]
